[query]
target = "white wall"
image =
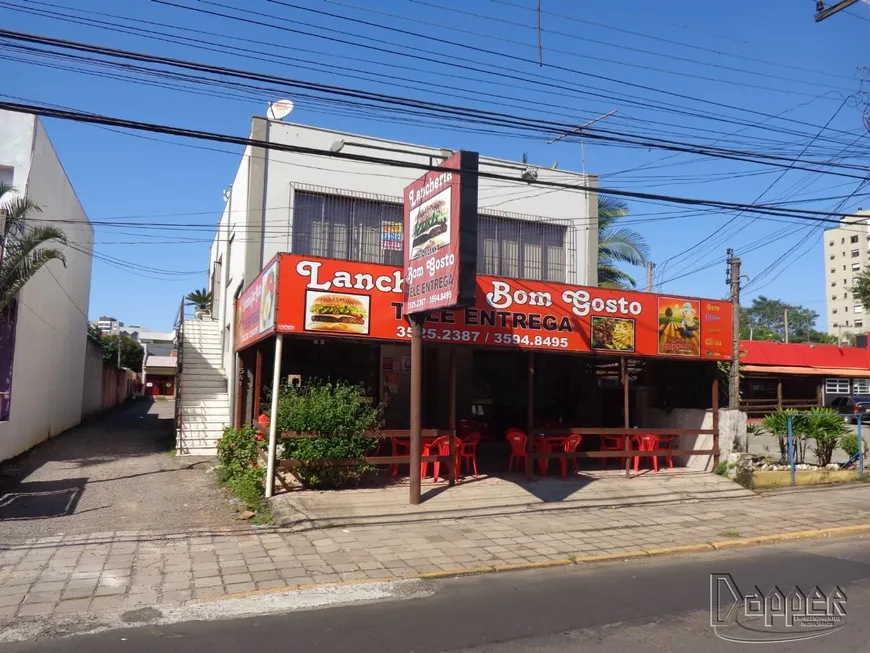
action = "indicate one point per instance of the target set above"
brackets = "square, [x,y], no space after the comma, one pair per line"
[50,342]
[232,228]
[284,169]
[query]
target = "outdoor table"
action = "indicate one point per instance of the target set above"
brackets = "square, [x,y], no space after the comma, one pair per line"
[545,444]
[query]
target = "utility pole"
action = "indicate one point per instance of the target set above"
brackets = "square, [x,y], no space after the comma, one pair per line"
[786,325]
[822,12]
[733,280]
[650,266]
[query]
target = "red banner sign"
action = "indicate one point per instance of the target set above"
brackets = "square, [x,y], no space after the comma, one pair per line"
[322,297]
[255,309]
[441,237]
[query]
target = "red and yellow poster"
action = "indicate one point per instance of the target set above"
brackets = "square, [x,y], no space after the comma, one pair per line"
[255,309]
[679,326]
[329,297]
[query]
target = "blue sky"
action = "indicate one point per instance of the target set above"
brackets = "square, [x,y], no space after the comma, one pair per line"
[758,76]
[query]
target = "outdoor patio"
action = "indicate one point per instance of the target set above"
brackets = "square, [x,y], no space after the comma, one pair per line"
[496,496]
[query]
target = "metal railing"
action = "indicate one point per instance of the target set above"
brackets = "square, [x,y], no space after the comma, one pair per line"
[790,453]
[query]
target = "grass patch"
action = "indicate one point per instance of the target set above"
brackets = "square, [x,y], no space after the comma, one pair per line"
[731,534]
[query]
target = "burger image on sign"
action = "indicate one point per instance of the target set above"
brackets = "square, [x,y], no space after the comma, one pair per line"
[336,312]
[430,225]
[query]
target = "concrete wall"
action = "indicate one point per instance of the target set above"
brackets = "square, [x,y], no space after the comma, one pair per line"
[732,424]
[284,170]
[92,390]
[51,334]
[229,247]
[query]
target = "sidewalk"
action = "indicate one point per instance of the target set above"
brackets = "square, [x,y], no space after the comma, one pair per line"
[116,571]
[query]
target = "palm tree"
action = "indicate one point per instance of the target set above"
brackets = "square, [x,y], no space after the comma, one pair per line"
[22,250]
[200,298]
[617,245]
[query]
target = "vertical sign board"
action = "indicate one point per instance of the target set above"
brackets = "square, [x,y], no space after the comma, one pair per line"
[256,307]
[441,236]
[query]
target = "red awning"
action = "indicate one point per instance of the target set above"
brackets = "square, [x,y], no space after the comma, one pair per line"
[806,371]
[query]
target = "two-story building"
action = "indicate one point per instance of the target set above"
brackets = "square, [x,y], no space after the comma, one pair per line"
[336,208]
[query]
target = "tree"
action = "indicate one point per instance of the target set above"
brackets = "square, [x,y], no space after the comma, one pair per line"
[765,320]
[22,250]
[132,352]
[617,245]
[200,298]
[95,334]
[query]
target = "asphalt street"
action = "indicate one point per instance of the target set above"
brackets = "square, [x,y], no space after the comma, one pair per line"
[658,604]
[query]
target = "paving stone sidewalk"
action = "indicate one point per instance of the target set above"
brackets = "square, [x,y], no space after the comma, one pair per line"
[132,569]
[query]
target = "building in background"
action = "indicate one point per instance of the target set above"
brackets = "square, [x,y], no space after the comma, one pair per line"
[847,252]
[108,326]
[160,362]
[41,382]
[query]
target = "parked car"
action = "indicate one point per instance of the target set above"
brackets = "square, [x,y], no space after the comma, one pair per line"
[851,407]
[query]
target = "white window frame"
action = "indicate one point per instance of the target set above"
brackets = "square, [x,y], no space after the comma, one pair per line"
[861,387]
[838,386]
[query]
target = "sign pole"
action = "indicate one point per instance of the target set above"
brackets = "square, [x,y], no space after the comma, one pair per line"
[416,405]
[273,417]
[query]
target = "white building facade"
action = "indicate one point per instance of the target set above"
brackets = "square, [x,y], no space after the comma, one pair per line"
[50,322]
[847,252]
[300,203]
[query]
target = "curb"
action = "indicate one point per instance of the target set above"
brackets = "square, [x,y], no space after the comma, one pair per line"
[704,547]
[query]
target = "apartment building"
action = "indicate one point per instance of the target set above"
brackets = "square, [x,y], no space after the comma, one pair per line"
[108,325]
[847,252]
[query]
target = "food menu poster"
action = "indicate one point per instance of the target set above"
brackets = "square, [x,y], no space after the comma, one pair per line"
[441,236]
[256,307]
[321,297]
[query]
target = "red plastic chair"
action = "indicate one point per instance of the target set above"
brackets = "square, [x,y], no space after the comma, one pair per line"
[571,444]
[400,447]
[467,452]
[427,447]
[442,448]
[646,442]
[518,440]
[612,443]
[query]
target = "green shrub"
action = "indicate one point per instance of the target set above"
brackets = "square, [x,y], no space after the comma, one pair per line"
[826,427]
[849,444]
[777,424]
[240,465]
[340,415]
[249,487]
[722,468]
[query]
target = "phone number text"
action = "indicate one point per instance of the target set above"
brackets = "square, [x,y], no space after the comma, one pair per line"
[483,337]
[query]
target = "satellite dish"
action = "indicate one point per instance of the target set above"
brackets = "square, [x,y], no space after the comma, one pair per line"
[280,109]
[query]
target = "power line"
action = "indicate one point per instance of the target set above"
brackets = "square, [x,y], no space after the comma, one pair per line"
[464,113]
[803,214]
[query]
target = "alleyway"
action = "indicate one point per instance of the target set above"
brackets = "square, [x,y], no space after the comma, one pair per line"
[112,474]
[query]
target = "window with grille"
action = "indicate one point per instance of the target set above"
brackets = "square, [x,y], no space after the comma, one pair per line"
[837,386]
[523,249]
[350,228]
[856,267]
[853,239]
[363,229]
[861,386]
[858,308]
[856,253]
[859,324]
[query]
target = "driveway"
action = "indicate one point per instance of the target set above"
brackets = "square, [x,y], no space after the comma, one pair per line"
[113,473]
